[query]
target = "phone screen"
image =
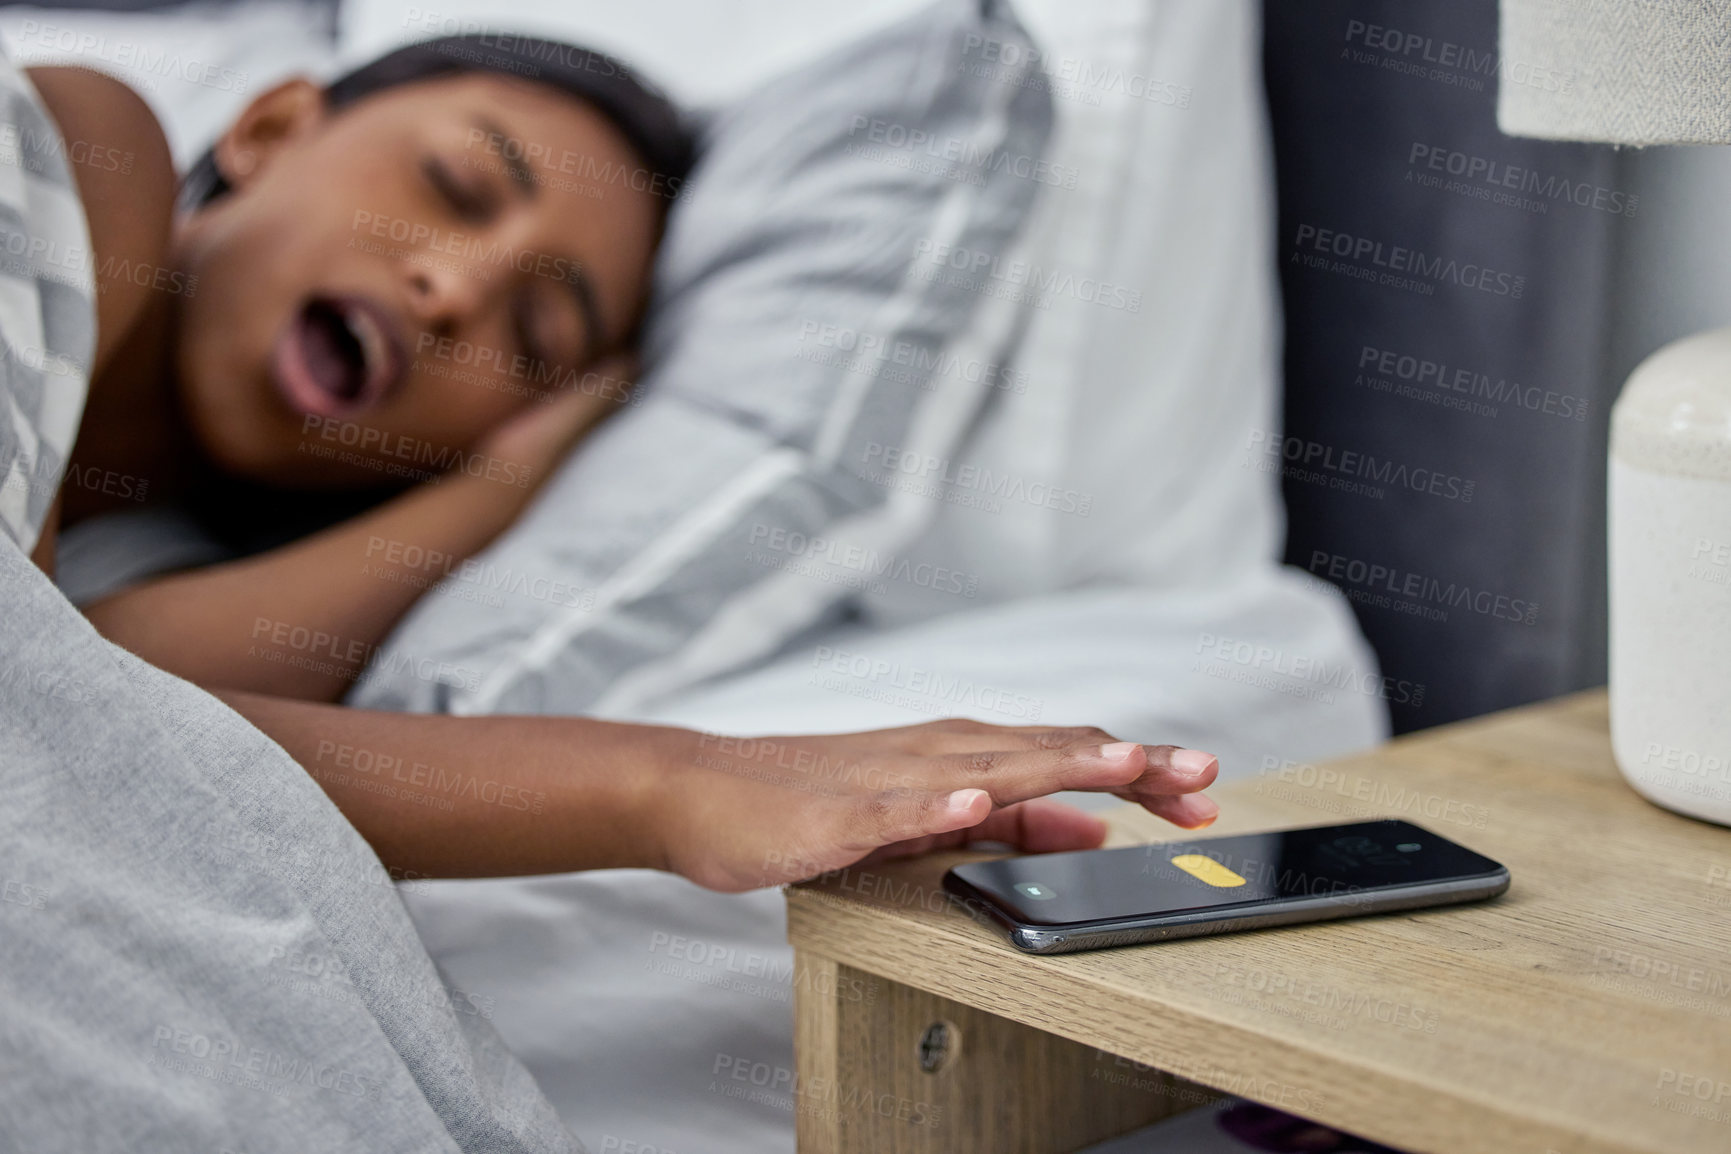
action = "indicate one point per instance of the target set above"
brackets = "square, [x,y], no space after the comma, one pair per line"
[1221,873]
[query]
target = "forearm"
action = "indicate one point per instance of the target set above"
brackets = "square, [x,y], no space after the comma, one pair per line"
[329,599]
[494,796]
[483,796]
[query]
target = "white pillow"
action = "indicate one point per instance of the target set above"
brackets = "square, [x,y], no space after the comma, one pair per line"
[1121,454]
[1138,415]
[676,516]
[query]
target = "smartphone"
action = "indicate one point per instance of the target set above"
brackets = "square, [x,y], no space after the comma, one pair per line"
[1057,903]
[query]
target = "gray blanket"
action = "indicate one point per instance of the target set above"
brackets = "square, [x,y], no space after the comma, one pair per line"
[197,951]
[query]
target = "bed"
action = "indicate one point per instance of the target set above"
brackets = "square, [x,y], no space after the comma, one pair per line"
[1161,612]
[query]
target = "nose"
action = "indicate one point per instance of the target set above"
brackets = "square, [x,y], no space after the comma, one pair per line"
[443,299]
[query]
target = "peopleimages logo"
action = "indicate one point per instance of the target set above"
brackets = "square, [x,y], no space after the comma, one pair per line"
[1444,61]
[1427,48]
[967,156]
[373,444]
[1335,790]
[855,558]
[1351,470]
[925,689]
[936,476]
[1496,175]
[17,142]
[1440,376]
[477,250]
[864,352]
[1397,265]
[1070,77]
[589,172]
[1303,668]
[1375,579]
[982,270]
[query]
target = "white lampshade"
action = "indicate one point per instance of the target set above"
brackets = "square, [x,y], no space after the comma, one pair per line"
[1616,71]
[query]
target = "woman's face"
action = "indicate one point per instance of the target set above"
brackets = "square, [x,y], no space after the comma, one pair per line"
[389,281]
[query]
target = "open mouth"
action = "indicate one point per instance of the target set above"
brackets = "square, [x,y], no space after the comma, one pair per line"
[337,357]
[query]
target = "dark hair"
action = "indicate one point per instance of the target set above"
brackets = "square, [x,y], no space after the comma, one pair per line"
[636,107]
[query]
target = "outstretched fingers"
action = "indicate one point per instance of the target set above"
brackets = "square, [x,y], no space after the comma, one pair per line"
[1171,769]
[1189,810]
[1170,786]
[1138,773]
[994,795]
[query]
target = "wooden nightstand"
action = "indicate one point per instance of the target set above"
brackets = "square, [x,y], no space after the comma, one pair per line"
[1587,1010]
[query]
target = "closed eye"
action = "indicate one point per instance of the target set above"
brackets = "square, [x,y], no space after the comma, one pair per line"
[529,329]
[475,204]
[524,332]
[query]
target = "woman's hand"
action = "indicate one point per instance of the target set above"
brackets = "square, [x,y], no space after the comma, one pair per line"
[742,813]
[538,438]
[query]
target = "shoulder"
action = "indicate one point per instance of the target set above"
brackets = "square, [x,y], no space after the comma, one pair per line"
[121,163]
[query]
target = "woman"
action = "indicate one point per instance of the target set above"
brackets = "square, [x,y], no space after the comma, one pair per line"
[317,291]
[112,772]
[298,320]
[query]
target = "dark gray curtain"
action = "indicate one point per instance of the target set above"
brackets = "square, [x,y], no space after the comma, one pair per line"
[1446,395]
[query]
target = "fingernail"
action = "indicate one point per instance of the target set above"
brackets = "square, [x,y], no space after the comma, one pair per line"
[962,800]
[1118,750]
[1191,761]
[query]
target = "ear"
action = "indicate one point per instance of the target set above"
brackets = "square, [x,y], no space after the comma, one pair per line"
[275,118]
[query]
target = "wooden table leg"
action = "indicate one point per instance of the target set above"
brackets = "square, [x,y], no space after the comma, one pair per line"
[883,1068]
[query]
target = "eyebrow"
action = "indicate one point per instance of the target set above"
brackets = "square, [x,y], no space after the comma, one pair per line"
[518,169]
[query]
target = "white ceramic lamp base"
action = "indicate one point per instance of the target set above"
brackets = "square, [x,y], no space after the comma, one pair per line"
[1670,574]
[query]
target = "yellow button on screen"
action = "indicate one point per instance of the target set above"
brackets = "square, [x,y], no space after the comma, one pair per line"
[1208,870]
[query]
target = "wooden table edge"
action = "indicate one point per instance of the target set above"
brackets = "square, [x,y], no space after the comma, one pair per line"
[1284,1061]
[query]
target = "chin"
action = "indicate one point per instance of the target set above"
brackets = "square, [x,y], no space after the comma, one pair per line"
[246,460]
[238,437]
